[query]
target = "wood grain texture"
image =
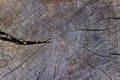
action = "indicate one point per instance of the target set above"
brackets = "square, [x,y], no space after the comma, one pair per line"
[84,39]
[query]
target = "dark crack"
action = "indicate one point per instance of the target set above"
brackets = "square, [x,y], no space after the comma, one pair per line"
[40,73]
[93,29]
[69,76]
[24,61]
[116,18]
[114,54]
[95,53]
[6,37]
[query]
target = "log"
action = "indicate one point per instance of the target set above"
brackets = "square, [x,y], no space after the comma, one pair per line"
[59,40]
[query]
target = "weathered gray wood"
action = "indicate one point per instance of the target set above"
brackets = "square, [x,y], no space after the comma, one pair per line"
[84,39]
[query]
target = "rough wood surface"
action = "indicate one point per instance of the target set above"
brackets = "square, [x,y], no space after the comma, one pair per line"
[83,36]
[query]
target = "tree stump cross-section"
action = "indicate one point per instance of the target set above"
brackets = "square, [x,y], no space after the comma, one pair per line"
[59,40]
